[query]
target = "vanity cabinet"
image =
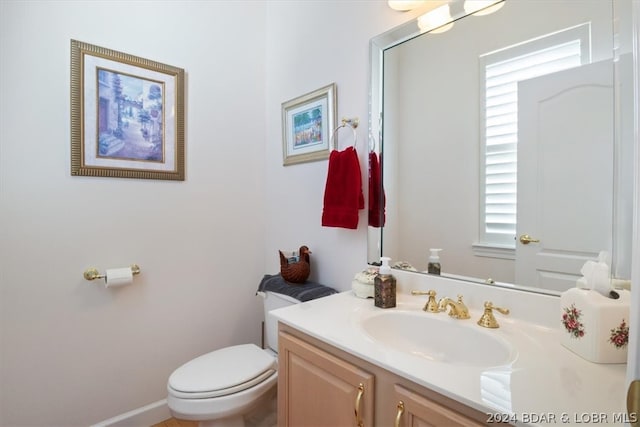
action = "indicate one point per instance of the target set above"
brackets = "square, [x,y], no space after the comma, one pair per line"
[320,385]
[315,388]
[413,409]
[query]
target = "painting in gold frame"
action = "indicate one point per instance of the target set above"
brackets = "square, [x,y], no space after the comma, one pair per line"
[127,115]
[307,123]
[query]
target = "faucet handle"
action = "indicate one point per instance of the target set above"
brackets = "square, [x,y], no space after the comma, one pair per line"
[463,311]
[488,320]
[431,306]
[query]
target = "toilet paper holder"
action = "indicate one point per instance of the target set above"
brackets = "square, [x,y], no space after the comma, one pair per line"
[93,273]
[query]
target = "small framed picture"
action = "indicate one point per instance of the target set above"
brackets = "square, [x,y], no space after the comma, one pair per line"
[307,125]
[127,115]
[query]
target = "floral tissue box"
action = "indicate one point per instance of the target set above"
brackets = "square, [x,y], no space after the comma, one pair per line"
[594,326]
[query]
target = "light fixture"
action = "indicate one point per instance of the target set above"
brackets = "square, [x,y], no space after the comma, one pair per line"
[482,7]
[404,5]
[436,21]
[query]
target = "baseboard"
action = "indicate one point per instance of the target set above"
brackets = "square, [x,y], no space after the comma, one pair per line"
[142,417]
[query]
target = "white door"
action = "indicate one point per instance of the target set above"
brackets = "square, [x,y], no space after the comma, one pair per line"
[565,147]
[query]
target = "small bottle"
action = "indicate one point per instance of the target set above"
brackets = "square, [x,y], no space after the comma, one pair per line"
[434,262]
[384,286]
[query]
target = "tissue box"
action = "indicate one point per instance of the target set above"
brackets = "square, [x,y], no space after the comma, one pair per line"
[595,327]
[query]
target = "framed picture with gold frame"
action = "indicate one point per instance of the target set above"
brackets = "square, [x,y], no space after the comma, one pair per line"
[127,115]
[307,124]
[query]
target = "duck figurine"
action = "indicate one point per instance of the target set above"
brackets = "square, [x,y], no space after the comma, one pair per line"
[297,271]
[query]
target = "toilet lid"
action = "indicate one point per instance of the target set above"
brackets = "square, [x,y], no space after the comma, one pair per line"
[221,372]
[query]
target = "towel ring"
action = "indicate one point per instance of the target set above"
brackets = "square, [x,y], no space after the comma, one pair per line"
[353,124]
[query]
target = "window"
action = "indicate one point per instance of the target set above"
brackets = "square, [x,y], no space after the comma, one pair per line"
[500,73]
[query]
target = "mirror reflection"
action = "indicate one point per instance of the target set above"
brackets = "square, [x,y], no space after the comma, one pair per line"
[504,141]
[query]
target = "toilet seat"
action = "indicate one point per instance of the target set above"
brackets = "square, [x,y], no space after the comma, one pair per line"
[222,372]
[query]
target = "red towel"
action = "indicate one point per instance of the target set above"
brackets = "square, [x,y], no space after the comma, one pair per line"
[376,192]
[343,192]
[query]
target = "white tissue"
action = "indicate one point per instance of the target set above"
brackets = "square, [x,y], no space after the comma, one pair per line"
[118,277]
[596,275]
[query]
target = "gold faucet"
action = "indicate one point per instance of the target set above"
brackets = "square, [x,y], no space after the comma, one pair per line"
[431,306]
[488,320]
[457,309]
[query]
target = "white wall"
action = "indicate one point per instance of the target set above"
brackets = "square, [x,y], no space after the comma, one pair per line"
[309,45]
[73,353]
[633,368]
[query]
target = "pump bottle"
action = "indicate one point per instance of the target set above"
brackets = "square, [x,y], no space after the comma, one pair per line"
[384,286]
[434,262]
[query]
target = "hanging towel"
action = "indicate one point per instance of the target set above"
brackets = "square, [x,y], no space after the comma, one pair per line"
[377,199]
[343,191]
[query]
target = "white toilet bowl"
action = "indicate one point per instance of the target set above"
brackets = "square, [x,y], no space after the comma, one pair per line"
[220,387]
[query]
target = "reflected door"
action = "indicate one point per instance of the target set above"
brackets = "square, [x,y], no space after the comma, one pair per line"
[565,149]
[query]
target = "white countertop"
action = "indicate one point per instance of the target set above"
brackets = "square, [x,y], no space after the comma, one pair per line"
[544,384]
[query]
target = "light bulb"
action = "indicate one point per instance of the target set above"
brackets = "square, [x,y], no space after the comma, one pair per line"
[436,21]
[403,5]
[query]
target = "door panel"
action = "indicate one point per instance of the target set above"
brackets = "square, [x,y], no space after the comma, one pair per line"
[571,230]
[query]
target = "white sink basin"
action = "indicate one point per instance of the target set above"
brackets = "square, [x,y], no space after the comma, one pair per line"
[438,338]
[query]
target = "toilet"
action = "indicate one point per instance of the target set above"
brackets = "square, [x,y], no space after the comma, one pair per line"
[222,387]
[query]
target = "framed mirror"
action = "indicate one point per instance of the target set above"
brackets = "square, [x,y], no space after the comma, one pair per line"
[504,139]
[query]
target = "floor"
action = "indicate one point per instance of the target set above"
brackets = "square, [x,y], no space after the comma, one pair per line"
[173,422]
[264,416]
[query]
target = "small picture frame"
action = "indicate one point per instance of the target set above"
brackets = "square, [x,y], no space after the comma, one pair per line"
[307,125]
[127,115]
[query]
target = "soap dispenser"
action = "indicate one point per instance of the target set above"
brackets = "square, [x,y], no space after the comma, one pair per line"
[434,262]
[384,286]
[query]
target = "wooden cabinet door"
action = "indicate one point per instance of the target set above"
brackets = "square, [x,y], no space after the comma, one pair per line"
[414,410]
[318,389]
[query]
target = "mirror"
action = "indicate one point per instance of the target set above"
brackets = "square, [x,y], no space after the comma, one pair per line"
[519,182]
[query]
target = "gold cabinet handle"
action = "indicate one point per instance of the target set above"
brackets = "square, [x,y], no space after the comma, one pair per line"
[399,413]
[359,422]
[525,239]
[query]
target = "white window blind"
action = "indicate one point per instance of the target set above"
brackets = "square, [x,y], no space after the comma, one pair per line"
[500,72]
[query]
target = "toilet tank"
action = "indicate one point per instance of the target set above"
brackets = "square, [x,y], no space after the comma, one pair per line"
[274,301]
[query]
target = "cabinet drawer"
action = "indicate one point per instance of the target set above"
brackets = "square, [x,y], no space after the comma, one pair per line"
[414,410]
